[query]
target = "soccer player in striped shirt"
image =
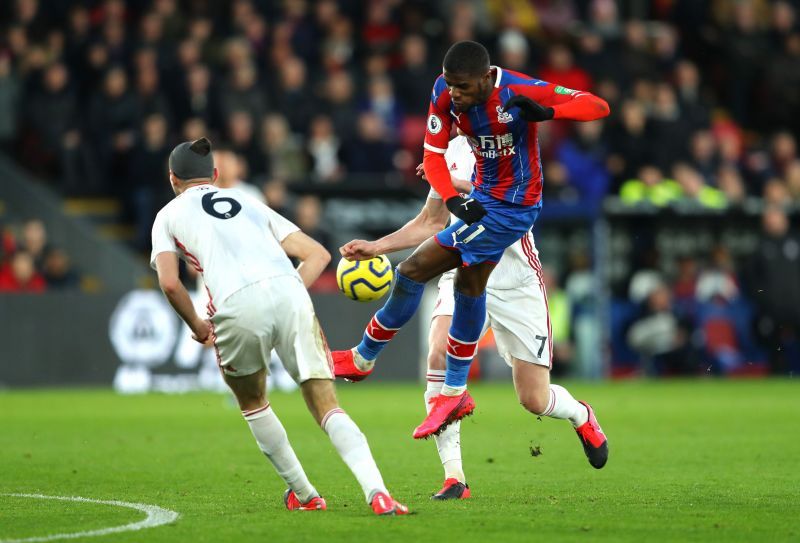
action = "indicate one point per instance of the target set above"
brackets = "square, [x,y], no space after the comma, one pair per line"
[516,310]
[499,111]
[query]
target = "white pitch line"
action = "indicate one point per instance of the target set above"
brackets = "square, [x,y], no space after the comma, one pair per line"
[156,516]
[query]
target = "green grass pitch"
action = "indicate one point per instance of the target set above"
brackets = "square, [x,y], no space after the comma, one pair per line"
[690,461]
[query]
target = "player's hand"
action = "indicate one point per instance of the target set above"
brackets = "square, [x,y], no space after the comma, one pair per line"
[202,332]
[468,209]
[359,249]
[529,110]
[421,172]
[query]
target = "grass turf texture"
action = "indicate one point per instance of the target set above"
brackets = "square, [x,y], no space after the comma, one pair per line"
[690,461]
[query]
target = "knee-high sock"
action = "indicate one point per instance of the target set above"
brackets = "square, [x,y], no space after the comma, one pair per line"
[399,308]
[352,446]
[563,406]
[274,443]
[462,340]
[448,443]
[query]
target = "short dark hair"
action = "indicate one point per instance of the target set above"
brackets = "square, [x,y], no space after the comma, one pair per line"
[467,57]
[192,160]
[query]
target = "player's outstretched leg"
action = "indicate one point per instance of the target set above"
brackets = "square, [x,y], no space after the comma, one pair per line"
[538,396]
[357,363]
[448,442]
[428,261]
[351,445]
[250,392]
[454,402]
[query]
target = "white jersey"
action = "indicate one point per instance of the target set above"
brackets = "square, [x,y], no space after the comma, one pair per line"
[231,239]
[518,266]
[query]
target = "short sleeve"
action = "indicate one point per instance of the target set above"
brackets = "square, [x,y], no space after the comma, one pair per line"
[439,123]
[162,240]
[279,225]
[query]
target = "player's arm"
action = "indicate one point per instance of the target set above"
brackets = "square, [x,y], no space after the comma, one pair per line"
[431,219]
[313,257]
[437,137]
[539,103]
[166,264]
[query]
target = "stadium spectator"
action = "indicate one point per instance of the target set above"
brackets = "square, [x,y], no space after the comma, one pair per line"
[149,97]
[230,174]
[292,97]
[694,191]
[560,311]
[774,284]
[381,100]
[650,187]
[744,46]
[20,275]
[51,114]
[58,272]
[412,80]
[145,193]
[241,134]
[730,182]
[33,241]
[337,101]
[514,51]
[277,197]
[283,149]
[323,149]
[10,91]
[667,128]
[704,157]
[692,99]
[659,337]
[308,216]
[782,107]
[584,156]
[201,100]
[242,94]
[113,118]
[370,151]
[629,143]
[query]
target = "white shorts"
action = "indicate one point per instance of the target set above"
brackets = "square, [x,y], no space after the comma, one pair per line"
[273,313]
[518,318]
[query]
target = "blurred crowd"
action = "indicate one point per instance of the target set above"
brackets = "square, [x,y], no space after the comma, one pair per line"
[703,92]
[30,263]
[704,99]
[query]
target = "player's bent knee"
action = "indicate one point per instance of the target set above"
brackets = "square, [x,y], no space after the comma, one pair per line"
[535,403]
[410,268]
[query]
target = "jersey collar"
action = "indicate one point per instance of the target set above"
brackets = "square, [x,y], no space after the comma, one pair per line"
[196,187]
[499,76]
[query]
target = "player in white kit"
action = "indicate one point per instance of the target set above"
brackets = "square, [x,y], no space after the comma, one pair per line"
[516,308]
[257,301]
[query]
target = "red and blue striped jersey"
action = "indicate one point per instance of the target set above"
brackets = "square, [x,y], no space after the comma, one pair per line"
[508,164]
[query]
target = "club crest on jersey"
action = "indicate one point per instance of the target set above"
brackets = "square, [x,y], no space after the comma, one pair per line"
[434,124]
[503,117]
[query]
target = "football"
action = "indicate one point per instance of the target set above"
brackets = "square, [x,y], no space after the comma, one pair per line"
[364,280]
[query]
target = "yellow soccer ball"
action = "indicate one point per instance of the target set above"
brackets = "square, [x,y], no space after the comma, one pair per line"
[364,280]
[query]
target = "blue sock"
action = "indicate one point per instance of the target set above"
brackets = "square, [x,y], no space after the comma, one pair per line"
[398,310]
[465,331]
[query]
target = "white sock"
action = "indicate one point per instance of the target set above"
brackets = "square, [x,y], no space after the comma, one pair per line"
[563,406]
[354,450]
[448,443]
[274,443]
[447,390]
[362,363]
